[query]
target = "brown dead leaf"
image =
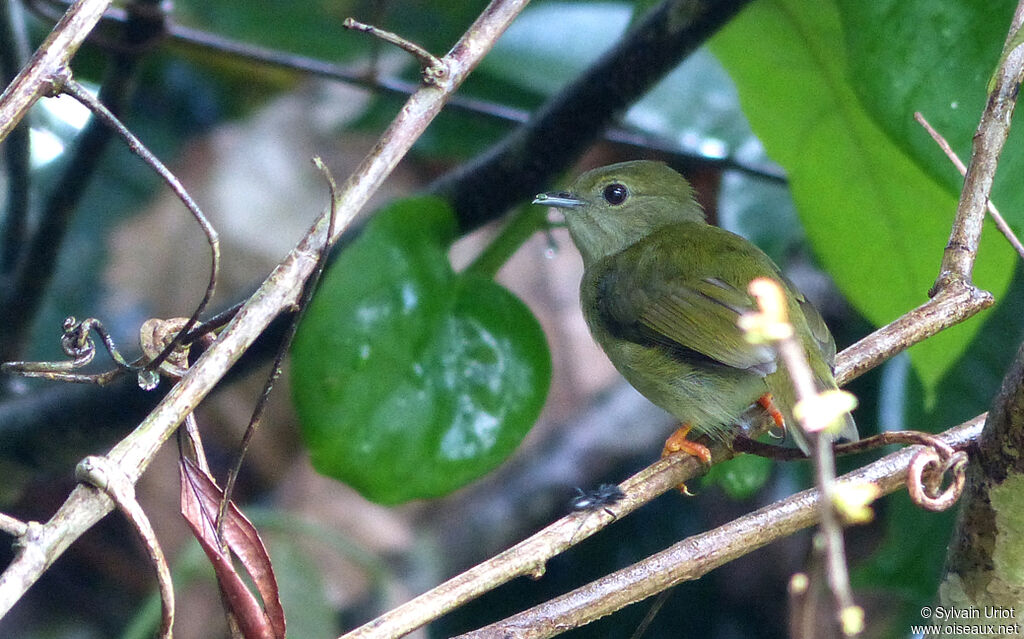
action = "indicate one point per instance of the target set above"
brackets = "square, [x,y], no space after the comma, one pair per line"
[200,499]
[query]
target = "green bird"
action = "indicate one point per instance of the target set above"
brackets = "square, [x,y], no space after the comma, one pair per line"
[662,291]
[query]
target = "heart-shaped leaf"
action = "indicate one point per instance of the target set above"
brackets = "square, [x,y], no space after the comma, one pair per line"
[411,380]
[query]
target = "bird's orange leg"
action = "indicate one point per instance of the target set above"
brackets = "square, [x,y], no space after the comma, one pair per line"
[766,402]
[678,443]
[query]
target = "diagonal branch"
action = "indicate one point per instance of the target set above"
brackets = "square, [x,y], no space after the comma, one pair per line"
[281,290]
[991,134]
[564,127]
[53,54]
[695,556]
[559,132]
[997,217]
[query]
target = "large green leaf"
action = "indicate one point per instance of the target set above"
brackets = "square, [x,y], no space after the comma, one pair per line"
[411,380]
[876,220]
[937,59]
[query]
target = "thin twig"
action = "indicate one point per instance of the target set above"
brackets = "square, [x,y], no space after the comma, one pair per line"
[105,476]
[779,453]
[71,87]
[275,370]
[951,154]
[774,324]
[279,292]
[927,471]
[77,343]
[695,556]
[12,525]
[651,614]
[434,69]
[987,145]
[38,257]
[956,302]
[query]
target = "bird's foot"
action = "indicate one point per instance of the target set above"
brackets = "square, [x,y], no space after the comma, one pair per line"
[766,402]
[678,443]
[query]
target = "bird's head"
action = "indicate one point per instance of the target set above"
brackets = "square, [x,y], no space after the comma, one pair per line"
[611,208]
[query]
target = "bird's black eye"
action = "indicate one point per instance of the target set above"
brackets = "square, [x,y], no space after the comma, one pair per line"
[615,193]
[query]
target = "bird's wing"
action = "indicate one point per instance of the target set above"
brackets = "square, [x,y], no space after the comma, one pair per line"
[688,313]
[818,329]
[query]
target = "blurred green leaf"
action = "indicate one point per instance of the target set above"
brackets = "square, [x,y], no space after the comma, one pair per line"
[460,134]
[742,476]
[310,614]
[875,219]
[411,380]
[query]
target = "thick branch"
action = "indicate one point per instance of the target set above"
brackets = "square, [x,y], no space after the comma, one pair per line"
[564,127]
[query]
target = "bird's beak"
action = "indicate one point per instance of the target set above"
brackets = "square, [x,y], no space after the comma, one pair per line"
[561,200]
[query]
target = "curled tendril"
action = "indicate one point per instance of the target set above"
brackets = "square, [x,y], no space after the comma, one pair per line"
[76,343]
[927,470]
[155,335]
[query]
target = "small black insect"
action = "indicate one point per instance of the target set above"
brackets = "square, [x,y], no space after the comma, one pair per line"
[599,499]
